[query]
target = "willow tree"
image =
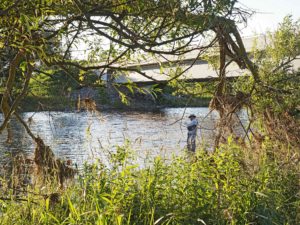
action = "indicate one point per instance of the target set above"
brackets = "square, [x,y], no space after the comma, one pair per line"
[29,29]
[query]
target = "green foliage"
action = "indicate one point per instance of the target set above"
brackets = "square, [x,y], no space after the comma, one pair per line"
[230,186]
[196,89]
[181,93]
[276,70]
[279,86]
[47,103]
[52,83]
[46,32]
[103,95]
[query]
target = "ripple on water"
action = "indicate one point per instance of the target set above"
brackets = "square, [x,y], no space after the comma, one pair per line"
[84,136]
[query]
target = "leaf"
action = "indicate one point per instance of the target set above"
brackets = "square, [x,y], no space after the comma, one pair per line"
[202,221]
[124,98]
[130,88]
[24,19]
[261,194]
[47,204]
[106,199]
[72,208]
[119,219]
[23,66]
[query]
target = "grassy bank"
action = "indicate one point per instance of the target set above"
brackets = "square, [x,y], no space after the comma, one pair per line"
[48,103]
[55,98]
[62,103]
[185,101]
[234,185]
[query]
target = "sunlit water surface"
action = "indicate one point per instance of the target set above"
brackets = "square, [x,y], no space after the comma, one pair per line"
[84,136]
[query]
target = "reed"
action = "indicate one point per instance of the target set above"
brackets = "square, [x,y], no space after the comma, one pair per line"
[233,185]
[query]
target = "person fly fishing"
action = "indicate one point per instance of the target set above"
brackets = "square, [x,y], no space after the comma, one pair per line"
[192,133]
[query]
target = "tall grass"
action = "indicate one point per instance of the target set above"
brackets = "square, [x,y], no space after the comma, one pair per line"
[231,186]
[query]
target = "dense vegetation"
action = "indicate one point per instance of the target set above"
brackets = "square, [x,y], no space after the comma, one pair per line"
[232,186]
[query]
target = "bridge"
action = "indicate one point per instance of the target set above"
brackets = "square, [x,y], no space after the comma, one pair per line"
[196,69]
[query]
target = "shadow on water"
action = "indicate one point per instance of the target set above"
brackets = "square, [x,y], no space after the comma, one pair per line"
[83,137]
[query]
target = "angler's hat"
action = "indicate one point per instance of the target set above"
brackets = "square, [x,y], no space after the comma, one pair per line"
[192,116]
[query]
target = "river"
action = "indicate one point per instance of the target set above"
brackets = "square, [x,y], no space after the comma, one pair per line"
[85,136]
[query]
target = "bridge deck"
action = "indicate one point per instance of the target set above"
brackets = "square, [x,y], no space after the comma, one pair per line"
[196,70]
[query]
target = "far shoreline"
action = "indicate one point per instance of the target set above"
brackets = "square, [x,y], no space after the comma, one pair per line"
[64,104]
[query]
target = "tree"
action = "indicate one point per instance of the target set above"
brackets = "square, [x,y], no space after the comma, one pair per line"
[28,30]
[275,100]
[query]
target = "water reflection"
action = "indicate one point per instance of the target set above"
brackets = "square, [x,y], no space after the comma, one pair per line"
[85,136]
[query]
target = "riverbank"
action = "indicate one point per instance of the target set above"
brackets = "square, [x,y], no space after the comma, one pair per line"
[63,104]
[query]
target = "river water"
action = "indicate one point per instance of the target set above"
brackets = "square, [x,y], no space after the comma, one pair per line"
[85,136]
